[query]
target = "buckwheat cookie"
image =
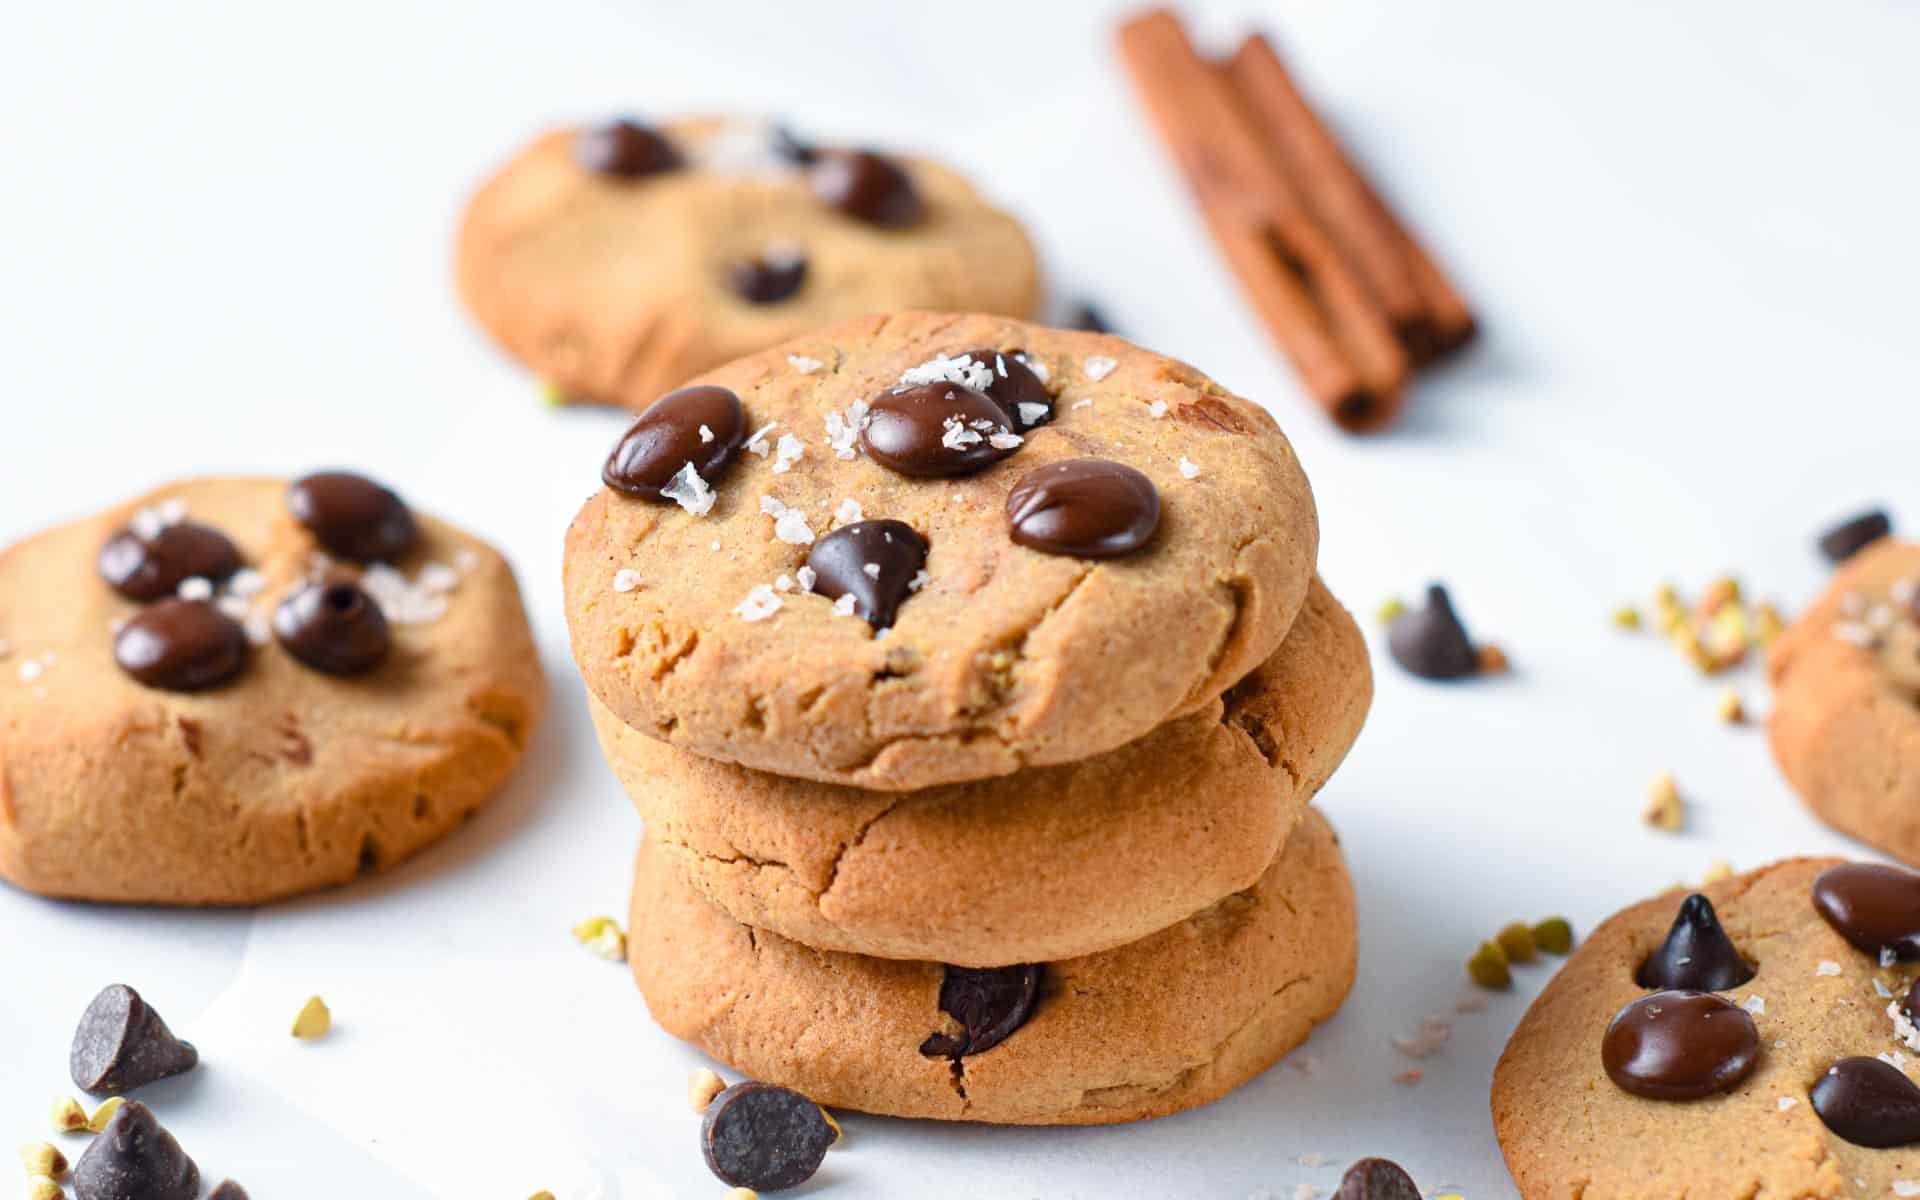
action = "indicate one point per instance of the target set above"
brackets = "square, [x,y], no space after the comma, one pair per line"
[620,260]
[233,690]
[923,549]
[1162,1024]
[1022,868]
[1753,1039]
[1845,725]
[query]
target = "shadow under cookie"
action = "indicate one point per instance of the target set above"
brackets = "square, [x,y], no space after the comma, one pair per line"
[1153,1027]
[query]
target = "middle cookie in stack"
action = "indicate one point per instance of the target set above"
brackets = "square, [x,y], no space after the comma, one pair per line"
[959,817]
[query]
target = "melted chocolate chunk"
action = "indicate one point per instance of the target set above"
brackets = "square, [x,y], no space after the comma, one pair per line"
[769,278]
[1376,1179]
[122,1044]
[181,646]
[990,1005]
[761,1136]
[1871,905]
[625,150]
[874,561]
[135,1159]
[1697,956]
[867,187]
[333,627]
[937,429]
[667,437]
[352,516]
[1015,388]
[1855,534]
[1679,1046]
[1869,1102]
[1084,507]
[144,569]
[1431,642]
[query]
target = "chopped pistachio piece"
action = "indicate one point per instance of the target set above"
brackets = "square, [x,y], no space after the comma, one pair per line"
[1390,608]
[1627,617]
[314,1020]
[1554,935]
[1516,942]
[1488,967]
[602,935]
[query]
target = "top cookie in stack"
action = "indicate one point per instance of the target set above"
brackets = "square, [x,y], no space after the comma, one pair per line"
[971,645]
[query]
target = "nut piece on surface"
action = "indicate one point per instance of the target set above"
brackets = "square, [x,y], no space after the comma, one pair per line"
[97,1123]
[1554,935]
[39,1158]
[68,1116]
[602,935]
[839,1134]
[42,1188]
[1665,810]
[702,1086]
[1731,709]
[314,1019]
[1488,967]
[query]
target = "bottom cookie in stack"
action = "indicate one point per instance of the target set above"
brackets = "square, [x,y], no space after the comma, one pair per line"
[1164,1023]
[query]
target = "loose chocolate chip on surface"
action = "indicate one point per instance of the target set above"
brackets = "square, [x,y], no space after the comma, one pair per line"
[1869,1102]
[181,646]
[1015,385]
[1872,905]
[937,429]
[146,569]
[334,627]
[1855,534]
[841,562]
[667,437]
[352,516]
[1091,319]
[1679,1045]
[1085,508]
[761,1136]
[793,148]
[1431,642]
[989,1004]
[768,279]
[625,149]
[1697,955]
[122,1044]
[135,1159]
[1376,1179]
[228,1190]
[867,187]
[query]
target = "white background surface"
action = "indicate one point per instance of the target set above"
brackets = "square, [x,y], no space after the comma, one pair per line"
[224,238]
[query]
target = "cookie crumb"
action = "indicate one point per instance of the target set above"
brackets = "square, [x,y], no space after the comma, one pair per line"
[702,1086]
[1665,810]
[626,579]
[603,936]
[1431,1034]
[1730,709]
[68,1116]
[97,1123]
[1188,469]
[1312,1160]
[40,1158]
[1157,409]
[314,1020]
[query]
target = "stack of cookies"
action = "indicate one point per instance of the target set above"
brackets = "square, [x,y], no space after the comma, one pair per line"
[972,679]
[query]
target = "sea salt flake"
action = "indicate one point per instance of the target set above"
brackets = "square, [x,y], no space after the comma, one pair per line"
[31,670]
[1903,1027]
[843,607]
[1031,412]
[805,577]
[920,579]
[1756,1005]
[1157,409]
[843,429]
[787,452]
[760,604]
[1087,403]
[466,560]
[259,632]
[783,584]
[870,570]
[803,364]
[957,436]
[1099,366]
[246,583]
[1785,1102]
[1004,441]
[1906,1187]
[1829,967]
[690,491]
[196,588]
[234,608]
[626,579]
[1882,990]
[757,444]
[1888,957]
[961,369]
[791,527]
[1188,468]
[848,513]
[706,435]
[439,577]
[1038,368]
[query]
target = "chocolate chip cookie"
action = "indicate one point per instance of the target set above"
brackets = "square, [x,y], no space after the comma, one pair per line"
[1845,725]
[1753,1039]
[923,549]
[619,260]
[1161,1024]
[1022,868]
[234,690]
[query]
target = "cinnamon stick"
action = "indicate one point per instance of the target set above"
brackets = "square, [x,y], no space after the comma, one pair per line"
[1427,314]
[1312,303]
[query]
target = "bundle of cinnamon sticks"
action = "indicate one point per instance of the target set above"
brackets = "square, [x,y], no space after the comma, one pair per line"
[1345,290]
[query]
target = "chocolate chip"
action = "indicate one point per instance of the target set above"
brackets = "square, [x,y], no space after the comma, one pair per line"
[122,1044]
[625,150]
[768,279]
[352,516]
[1697,955]
[1092,320]
[765,1137]
[334,627]
[1679,1045]
[135,1159]
[874,561]
[1084,507]
[866,187]
[1431,642]
[1855,534]
[228,1190]
[667,437]
[1910,1006]
[1376,1179]
[147,568]
[1871,905]
[181,646]
[989,1004]
[1869,1102]
[794,149]
[937,429]
[1014,386]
